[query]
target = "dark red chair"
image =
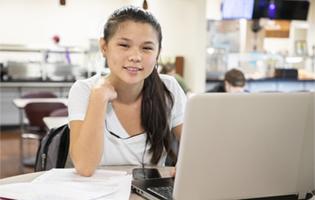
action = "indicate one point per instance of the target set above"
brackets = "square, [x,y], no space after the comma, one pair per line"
[35,112]
[62,112]
[36,129]
[39,94]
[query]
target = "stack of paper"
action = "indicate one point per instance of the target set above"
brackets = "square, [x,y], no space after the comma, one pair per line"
[67,184]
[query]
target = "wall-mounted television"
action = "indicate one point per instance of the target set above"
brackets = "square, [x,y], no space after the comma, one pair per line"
[240,9]
[281,9]
[271,9]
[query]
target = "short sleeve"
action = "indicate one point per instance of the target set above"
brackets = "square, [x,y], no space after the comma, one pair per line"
[177,114]
[78,100]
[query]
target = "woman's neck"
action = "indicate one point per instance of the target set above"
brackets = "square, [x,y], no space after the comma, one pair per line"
[126,93]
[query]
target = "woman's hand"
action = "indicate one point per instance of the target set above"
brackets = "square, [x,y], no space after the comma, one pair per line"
[104,90]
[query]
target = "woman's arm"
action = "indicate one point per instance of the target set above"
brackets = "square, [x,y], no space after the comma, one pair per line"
[87,136]
[177,130]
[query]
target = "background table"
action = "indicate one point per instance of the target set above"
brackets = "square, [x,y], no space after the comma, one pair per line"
[22,102]
[53,122]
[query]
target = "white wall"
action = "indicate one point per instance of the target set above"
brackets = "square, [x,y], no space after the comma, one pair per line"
[276,45]
[184,28]
[34,22]
[213,9]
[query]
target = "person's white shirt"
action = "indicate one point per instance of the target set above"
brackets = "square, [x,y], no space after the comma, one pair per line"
[119,147]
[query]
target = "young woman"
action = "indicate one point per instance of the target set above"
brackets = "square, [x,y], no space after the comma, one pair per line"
[127,117]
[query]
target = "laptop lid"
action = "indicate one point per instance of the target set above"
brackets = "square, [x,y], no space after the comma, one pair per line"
[236,146]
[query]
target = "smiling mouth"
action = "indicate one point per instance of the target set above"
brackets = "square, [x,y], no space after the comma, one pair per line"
[133,69]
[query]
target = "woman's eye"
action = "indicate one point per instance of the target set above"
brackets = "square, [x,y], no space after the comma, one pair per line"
[148,48]
[124,45]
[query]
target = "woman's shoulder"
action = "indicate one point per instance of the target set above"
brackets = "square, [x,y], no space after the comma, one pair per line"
[89,82]
[171,83]
[168,80]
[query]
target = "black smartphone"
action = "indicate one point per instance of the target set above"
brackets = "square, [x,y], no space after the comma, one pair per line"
[145,173]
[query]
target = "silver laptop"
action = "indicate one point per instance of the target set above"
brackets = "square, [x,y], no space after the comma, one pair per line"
[238,146]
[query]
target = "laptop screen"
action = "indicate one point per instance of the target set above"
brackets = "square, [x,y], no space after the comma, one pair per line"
[236,146]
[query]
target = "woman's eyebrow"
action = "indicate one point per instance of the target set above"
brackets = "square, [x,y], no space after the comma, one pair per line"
[149,43]
[144,43]
[125,39]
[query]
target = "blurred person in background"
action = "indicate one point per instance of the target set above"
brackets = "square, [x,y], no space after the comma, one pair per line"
[234,81]
[169,68]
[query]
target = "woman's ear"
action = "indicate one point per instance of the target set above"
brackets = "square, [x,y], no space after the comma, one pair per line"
[103,46]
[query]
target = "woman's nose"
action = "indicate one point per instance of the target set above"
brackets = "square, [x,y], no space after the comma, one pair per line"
[135,55]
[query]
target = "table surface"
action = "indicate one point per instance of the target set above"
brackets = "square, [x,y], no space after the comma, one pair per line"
[41,84]
[22,102]
[165,172]
[53,122]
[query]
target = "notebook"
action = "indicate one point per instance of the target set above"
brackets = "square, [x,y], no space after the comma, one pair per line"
[240,146]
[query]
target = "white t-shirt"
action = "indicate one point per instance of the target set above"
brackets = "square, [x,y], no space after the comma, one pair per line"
[124,149]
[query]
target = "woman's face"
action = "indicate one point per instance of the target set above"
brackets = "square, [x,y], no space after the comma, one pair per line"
[132,52]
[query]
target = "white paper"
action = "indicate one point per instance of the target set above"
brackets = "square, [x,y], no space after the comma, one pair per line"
[66,184]
[69,174]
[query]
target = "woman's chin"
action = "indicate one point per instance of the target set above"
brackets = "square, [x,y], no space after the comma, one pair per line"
[133,80]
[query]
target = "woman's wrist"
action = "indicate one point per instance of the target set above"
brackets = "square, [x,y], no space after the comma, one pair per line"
[97,96]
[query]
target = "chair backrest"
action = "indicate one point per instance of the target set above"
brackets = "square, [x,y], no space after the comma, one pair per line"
[39,94]
[62,112]
[35,112]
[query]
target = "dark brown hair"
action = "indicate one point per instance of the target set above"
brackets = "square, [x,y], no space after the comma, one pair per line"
[157,100]
[235,77]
